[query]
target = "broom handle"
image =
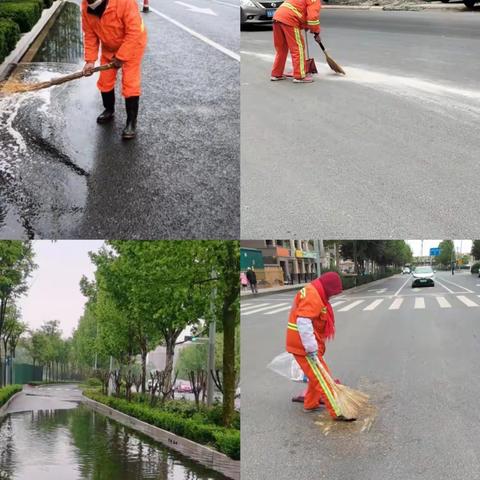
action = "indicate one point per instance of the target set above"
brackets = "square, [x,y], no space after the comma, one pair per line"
[80,74]
[324,371]
[321,44]
[306,43]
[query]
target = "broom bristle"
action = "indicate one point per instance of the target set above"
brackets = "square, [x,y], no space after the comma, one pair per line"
[334,65]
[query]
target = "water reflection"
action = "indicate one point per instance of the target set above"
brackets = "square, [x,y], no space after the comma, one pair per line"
[81,444]
[63,43]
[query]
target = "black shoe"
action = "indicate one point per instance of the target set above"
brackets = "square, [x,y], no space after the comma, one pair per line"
[109,104]
[341,418]
[131,104]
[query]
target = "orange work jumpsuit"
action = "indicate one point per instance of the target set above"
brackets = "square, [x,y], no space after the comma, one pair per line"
[308,304]
[121,33]
[291,17]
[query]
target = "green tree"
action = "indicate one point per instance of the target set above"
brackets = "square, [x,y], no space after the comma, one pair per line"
[476,249]
[447,252]
[16,265]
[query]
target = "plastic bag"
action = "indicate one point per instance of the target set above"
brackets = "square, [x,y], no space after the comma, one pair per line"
[286,366]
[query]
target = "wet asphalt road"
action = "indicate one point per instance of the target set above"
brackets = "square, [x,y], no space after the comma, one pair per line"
[390,150]
[418,359]
[63,176]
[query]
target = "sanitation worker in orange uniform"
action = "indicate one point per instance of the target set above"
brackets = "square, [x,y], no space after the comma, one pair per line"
[291,17]
[310,324]
[117,27]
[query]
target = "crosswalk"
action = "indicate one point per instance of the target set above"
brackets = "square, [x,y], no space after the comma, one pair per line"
[371,304]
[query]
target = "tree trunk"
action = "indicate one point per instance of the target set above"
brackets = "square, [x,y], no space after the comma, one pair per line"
[229,376]
[170,353]
[144,368]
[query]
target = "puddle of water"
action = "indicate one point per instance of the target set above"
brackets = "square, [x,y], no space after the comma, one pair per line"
[81,444]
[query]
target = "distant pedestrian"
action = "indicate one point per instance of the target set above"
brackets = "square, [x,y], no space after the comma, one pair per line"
[117,27]
[243,280]
[252,279]
[453,268]
[291,17]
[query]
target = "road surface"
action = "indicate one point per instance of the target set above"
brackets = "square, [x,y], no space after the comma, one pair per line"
[390,150]
[415,351]
[64,176]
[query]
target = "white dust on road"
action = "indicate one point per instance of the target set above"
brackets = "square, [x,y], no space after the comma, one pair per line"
[419,89]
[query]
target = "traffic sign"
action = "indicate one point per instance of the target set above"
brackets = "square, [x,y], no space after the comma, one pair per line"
[434,252]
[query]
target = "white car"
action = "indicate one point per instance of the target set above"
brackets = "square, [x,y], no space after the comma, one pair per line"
[406,270]
[423,277]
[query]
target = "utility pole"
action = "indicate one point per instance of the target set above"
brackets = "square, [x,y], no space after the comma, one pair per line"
[319,255]
[211,342]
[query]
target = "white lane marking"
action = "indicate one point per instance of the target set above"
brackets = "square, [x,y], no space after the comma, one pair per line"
[378,290]
[243,305]
[250,312]
[457,285]
[443,302]
[278,310]
[351,305]
[419,303]
[467,301]
[400,289]
[228,4]
[396,304]
[201,37]
[374,304]
[255,306]
[335,304]
[444,286]
[193,8]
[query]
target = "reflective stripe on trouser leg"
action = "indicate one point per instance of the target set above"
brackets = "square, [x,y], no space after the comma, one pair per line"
[298,38]
[324,386]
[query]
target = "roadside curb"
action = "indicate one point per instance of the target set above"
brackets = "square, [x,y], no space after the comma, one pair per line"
[417,7]
[4,407]
[273,291]
[28,39]
[202,454]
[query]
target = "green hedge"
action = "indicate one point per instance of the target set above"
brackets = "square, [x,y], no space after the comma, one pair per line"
[225,440]
[475,268]
[25,14]
[7,392]
[9,35]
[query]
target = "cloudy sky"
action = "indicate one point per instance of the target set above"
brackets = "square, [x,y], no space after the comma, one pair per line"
[54,292]
[462,246]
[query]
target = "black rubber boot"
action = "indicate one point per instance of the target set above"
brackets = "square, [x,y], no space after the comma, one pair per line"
[131,104]
[109,104]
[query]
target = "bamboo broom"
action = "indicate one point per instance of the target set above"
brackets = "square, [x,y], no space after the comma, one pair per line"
[331,62]
[349,400]
[15,87]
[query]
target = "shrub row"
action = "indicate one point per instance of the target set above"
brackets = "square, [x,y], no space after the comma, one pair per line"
[9,35]
[475,268]
[224,440]
[7,392]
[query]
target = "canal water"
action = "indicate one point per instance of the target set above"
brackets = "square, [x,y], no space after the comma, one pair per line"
[78,443]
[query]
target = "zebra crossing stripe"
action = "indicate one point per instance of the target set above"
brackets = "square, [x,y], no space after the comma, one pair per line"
[467,301]
[374,304]
[396,304]
[419,303]
[247,304]
[250,312]
[254,306]
[352,305]
[443,302]
[278,310]
[335,304]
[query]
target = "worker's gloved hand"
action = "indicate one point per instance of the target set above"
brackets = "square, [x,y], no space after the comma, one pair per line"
[116,62]
[312,355]
[88,68]
[317,38]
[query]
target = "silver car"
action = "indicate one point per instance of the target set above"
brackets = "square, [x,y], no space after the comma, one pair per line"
[253,12]
[423,277]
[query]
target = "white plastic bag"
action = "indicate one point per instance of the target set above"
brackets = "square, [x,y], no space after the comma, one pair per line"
[286,366]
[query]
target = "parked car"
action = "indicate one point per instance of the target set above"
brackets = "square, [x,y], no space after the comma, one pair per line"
[406,270]
[423,277]
[467,3]
[183,387]
[253,12]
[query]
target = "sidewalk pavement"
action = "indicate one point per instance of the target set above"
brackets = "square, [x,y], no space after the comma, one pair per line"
[268,291]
